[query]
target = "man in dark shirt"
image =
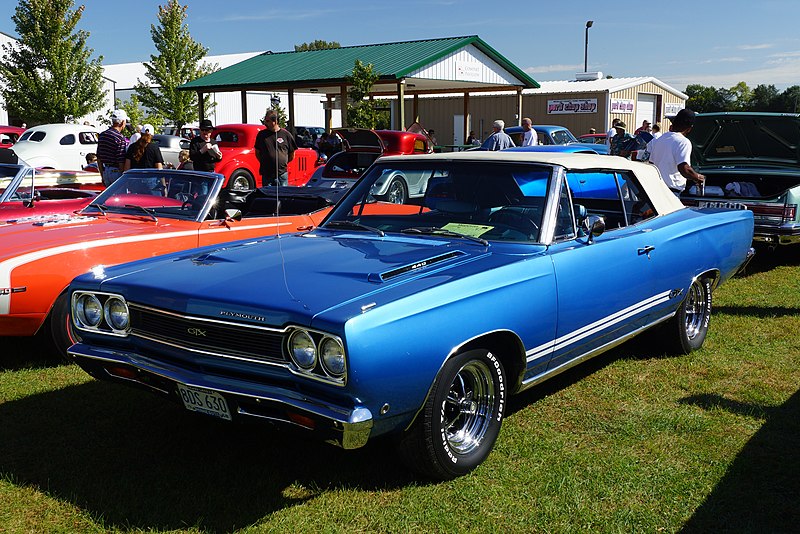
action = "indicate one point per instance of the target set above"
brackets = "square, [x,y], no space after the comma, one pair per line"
[274,149]
[203,150]
[111,147]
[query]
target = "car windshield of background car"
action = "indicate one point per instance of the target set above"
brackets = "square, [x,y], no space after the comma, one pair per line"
[491,201]
[163,194]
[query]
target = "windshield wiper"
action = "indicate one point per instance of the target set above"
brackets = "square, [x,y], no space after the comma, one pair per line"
[435,230]
[354,226]
[102,207]
[147,211]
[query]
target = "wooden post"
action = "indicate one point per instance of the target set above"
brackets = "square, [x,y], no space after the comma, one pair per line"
[329,114]
[519,106]
[416,107]
[244,107]
[401,105]
[291,124]
[343,97]
[200,106]
[467,118]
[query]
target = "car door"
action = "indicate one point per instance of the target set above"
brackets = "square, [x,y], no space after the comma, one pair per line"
[608,285]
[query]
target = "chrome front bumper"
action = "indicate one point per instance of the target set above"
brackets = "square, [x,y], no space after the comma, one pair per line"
[348,428]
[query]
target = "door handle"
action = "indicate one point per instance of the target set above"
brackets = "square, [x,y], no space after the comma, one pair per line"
[645,251]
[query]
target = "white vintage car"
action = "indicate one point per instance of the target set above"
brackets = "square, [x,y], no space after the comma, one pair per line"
[57,146]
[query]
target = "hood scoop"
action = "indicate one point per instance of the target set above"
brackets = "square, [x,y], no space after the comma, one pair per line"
[399,271]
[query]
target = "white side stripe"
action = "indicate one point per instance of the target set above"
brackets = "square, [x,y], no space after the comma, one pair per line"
[8,266]
[596,326]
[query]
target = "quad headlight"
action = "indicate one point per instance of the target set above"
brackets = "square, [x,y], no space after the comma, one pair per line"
[332,355]
[303,350]
[116,314]
[317,355]
[88,310]
[100,312]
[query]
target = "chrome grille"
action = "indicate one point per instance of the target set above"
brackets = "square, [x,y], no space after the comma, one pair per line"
[207,336]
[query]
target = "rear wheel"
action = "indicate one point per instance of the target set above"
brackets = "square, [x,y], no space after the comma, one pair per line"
[688,328]
[241,180]
[62,331]
[459,423]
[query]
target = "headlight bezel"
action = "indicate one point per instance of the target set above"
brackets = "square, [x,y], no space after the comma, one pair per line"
[321,371]
[338,372]
[104,300]
[301,335]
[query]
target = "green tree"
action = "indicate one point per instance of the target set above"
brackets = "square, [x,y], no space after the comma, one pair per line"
[49,76]
[765,98]
[741,97]
[319,44]
[361,111]
[137,115]
[790,100]
[177,62]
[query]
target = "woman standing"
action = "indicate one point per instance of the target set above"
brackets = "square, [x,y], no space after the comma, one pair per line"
[144,154]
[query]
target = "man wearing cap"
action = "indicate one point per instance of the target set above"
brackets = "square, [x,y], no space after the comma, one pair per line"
[203,150]
[499,139]
[645,127]
[672,152]
[275,148]
[621,142]
[111,146]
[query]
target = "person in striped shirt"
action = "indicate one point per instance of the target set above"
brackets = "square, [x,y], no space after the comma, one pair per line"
[111,147]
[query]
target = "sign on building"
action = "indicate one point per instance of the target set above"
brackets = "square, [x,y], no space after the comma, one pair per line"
[572,106]
[621,105]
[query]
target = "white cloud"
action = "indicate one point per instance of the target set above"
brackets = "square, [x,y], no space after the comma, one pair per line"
[755,46]
[782,75]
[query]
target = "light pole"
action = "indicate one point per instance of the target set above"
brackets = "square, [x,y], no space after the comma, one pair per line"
[586,47]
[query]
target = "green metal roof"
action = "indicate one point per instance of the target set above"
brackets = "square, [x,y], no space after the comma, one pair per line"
[393,61]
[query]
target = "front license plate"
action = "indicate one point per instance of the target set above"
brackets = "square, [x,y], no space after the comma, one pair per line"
[721,204]
[204,401]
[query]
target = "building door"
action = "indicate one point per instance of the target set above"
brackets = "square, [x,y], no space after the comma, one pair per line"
[458,129]
[645,109]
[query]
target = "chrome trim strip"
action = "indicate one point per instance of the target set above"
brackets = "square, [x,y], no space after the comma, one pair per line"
[206,319]
[206,352]
[600,324]
[526,384]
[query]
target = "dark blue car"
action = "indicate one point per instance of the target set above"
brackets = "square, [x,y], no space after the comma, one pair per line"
[418,320]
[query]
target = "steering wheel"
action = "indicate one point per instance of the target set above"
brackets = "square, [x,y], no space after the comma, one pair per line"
[516,219]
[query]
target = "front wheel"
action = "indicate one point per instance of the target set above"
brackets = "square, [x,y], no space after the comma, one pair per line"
[688,328]
[459,423]
[62,331]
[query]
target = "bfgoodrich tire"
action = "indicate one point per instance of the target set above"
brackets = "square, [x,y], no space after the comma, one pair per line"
[687,330]
[459,423]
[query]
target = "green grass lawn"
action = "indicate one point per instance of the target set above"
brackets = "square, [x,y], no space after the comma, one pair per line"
[632,441]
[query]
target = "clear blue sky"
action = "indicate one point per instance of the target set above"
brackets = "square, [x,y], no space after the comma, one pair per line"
[710,42]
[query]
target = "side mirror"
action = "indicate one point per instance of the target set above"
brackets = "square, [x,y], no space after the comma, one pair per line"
[596,226]
[233,215]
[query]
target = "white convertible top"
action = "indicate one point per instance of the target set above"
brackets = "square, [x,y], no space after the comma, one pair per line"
[663,200]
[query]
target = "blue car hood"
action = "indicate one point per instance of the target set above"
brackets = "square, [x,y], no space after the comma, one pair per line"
[296,278]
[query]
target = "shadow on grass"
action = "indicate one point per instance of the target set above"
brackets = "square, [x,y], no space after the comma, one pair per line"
[757,311]
[760,491]
[138,462]
[766,259]
[25,353]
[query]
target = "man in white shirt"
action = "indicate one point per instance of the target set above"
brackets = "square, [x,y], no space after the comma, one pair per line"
[672,152]
[611,131]
[528,133]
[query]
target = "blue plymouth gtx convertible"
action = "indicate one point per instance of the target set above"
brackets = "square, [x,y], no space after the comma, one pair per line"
[418,320]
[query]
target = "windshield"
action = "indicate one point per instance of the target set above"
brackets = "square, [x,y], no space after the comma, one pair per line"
[164,193]
[490,201]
